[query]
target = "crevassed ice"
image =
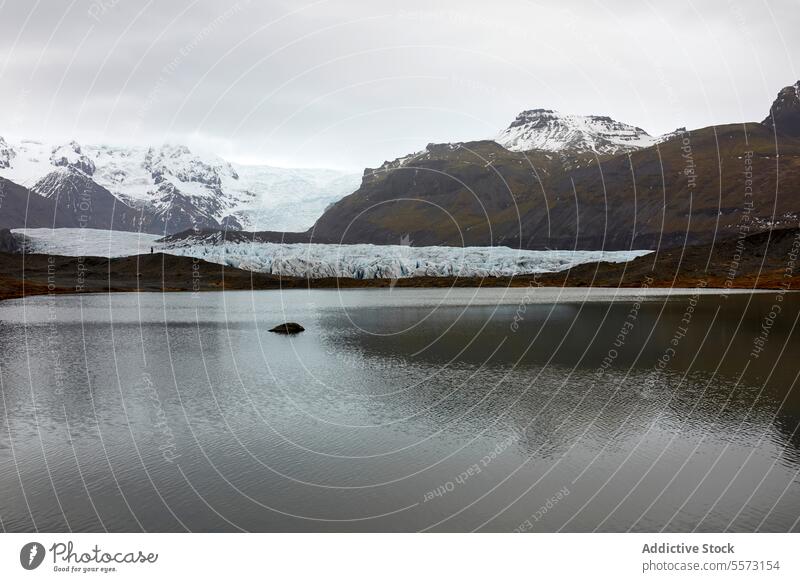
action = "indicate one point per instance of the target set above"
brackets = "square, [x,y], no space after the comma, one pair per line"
[392,261]
[361,261]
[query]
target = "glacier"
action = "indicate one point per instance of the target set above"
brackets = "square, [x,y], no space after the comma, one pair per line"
[85,242]
[360,261]
[365,261]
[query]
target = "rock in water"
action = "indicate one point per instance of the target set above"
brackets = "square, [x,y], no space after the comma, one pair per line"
[288,328]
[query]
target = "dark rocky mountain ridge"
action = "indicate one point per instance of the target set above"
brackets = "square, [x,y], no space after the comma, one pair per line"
[83,202]
[784,117]
[20,207]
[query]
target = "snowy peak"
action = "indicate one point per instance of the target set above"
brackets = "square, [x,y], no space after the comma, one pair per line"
[81,201]
[679,132]
[784,114]
[70,155]
[180,163]
[63,179]
[135,173]
[7,154]
[551,131]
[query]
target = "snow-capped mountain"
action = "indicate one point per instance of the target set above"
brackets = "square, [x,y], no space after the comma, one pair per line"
[551,131]
[70,156]
[78,198]
[174,188]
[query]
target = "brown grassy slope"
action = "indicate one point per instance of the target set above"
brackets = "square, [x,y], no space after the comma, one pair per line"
[645,200]
[648,200]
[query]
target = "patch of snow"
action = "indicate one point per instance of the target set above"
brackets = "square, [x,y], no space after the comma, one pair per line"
[680,132]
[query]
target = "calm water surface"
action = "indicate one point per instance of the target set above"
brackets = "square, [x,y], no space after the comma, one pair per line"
[493,410]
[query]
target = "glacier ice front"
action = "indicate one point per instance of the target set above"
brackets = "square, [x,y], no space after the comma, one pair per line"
[364,261]
[322,260]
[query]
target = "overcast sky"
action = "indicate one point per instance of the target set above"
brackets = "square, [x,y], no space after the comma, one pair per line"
[348,84]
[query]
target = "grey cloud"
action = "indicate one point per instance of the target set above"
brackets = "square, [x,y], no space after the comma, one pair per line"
[349,83]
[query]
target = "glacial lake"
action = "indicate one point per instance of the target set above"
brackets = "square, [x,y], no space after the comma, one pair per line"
[401,410]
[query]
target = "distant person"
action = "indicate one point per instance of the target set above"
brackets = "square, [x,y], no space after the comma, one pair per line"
[151,250]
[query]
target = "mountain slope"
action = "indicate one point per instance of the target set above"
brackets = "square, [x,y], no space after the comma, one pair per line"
[449,194]
[643,200]
[78,199]
[716,182]
[20,208]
